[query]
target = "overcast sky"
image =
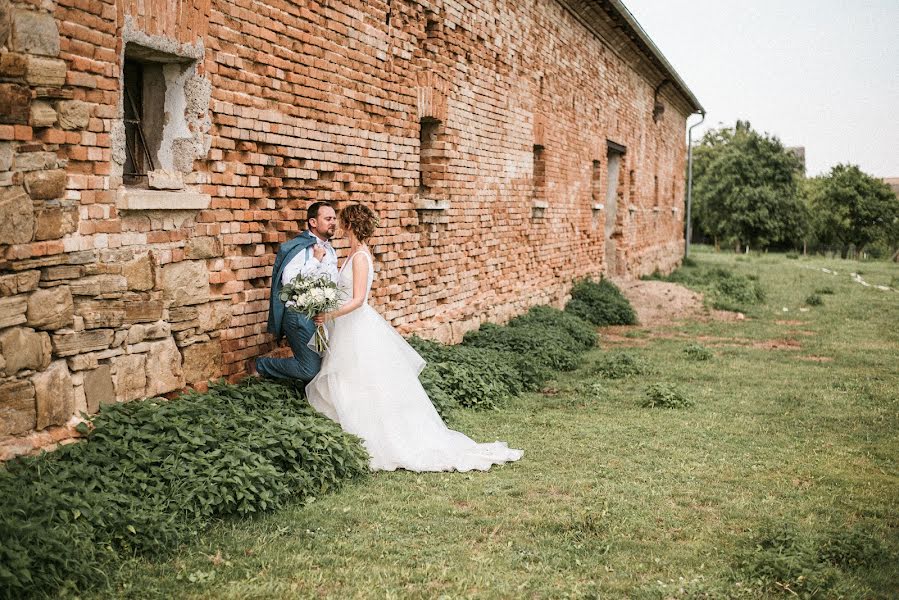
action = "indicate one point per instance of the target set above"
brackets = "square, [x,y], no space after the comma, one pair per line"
[823,74]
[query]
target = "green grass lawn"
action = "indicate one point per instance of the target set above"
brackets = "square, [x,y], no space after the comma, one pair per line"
[614,500]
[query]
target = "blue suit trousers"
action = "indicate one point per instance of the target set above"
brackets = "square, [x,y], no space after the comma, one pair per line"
[305,364]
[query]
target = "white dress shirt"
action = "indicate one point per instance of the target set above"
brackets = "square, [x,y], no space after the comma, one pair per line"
[304,263]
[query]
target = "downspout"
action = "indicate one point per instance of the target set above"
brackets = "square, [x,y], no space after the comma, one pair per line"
[690,182]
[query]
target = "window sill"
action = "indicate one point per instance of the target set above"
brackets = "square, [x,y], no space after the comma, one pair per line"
[138,199]
[422,203]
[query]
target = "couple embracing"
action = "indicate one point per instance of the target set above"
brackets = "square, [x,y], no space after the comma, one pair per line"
[367,380]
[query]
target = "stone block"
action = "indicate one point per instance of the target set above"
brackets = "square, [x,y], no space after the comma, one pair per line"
[53,222]
[15,104]
[35,161]
[34,33]
[46,185]
[73,114]
[143,311]
[185,283]
[202,362]
[16,216]
[138,333]
[54,395]
[17,411]
[13,65]
[98,388]
[50,308]
[42,115]
[12,311]
[97,285]
[45,71]
[5,21]
[160,179]
[164,368]
[214,315]
[203,247]
[98,314]
[18,283]
[69,343]
[7,154]
[140,273]
[129,376]
[183,313]
[24,348]
[62,272]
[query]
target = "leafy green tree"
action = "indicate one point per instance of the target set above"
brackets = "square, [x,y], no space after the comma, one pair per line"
[746,189]
[851,208]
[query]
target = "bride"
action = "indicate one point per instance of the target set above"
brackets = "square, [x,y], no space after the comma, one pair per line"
[369,384]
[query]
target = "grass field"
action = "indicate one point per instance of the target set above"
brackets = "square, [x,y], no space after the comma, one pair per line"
[790,448]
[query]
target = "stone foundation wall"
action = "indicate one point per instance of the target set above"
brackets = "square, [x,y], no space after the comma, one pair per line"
[109,293]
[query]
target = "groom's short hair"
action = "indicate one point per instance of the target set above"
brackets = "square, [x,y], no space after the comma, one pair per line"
[312,211]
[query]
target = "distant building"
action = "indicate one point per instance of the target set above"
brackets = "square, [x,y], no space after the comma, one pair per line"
[799,151]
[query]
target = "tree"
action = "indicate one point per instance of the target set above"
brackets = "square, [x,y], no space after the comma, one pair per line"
[746,189]
[851,208]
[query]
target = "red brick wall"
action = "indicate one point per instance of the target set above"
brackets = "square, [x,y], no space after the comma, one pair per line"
[322,102]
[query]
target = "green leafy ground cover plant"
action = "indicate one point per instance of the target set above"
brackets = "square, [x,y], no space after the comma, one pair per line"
[696,351]
[501,362]
[152,474]
[620,364]
[665,395]
[600,303]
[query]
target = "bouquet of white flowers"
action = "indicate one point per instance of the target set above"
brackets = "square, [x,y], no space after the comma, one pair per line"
[310,296]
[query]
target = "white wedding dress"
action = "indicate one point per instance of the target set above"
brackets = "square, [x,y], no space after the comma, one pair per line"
[369,384]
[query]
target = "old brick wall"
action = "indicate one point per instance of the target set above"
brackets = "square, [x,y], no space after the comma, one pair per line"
[103,301]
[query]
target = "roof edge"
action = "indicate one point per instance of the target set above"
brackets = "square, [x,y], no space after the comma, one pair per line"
[625,13]
[618,11]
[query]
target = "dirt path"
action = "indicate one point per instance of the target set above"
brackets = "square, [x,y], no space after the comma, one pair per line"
[660,303]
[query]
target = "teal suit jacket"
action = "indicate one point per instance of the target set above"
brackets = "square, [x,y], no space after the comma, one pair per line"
[285,253]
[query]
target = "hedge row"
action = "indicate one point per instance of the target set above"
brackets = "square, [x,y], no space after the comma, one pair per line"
[498,362]
[154,473]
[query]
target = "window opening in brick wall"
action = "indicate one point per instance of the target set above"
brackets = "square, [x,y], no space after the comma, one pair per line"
[596,183]
[539,182]
[430,157]
[138,160]
[613,168]
[655,191]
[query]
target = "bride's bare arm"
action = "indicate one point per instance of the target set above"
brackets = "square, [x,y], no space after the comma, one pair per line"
[360,283]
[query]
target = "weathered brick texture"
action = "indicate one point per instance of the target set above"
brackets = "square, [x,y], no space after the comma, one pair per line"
[115,293]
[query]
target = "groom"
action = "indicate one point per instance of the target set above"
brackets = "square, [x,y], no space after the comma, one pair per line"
[309,254]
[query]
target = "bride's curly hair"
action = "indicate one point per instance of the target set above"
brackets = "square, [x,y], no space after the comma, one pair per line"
[359,219]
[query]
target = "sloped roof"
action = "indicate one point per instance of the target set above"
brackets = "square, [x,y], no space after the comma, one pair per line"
[611,21]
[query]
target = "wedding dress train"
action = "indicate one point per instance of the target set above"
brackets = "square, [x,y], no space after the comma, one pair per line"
[369,384]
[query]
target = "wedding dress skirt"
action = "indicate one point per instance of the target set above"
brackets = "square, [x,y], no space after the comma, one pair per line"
[369,385]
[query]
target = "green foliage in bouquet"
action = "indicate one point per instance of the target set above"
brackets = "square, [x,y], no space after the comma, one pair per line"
[153,473]
[600,303]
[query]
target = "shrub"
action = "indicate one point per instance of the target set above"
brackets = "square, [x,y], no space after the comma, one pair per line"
[695,351]
[665,395]
[814,300]
[547,346]
[153,473]
[793,255]
[582,333]
[824,290]
[600,303]
[725,289]
[618,365]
